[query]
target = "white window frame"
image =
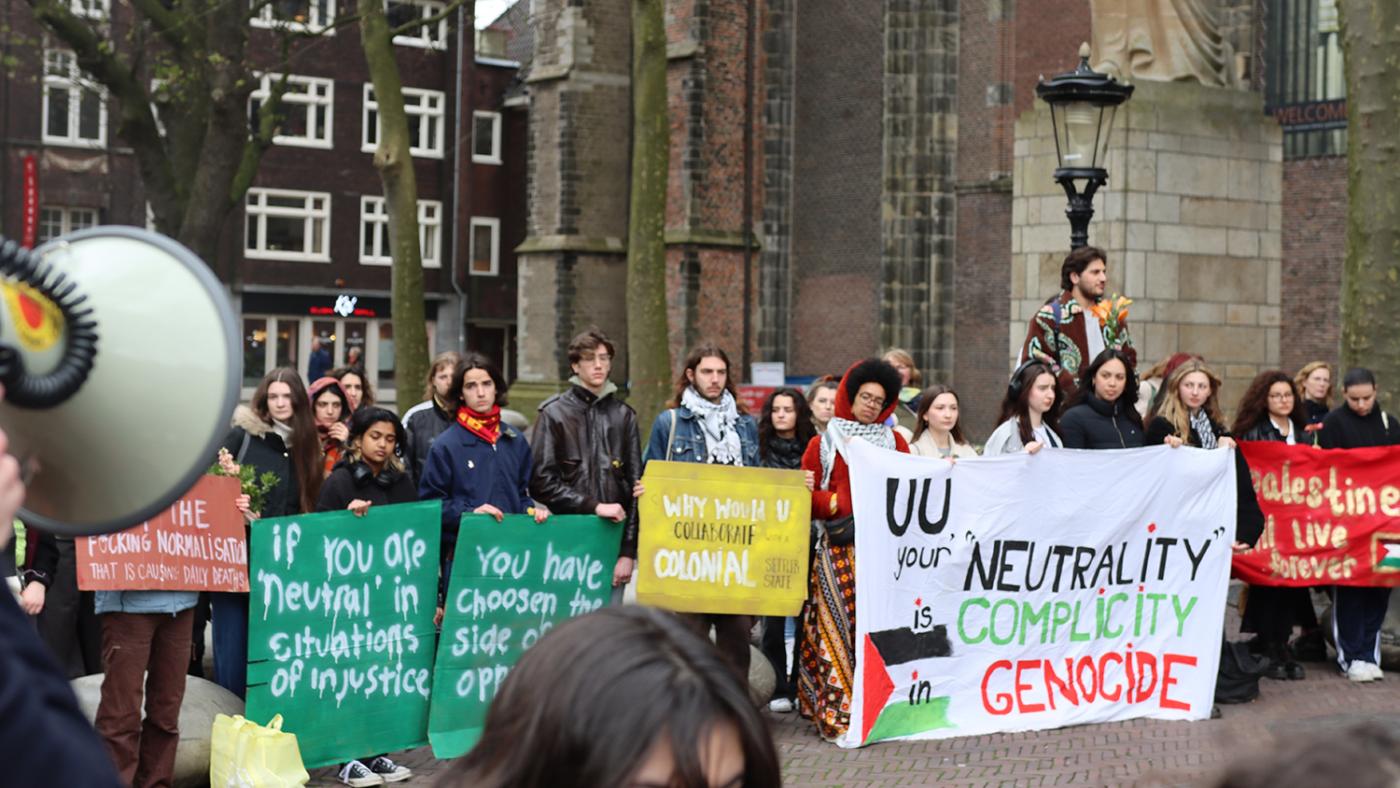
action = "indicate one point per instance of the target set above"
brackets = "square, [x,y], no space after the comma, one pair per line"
[76,83]
[303,94]
[267,19]
[418,102]
[91,9]
[494,226]
[425,36]
[495,156]
[374,224]
[67,216]
[256,210]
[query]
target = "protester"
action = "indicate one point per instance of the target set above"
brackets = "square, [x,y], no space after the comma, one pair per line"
[822,399]
[937,432]
[332,409]
[480,466]
[65,615]
[1101,413]
[429,418]
[704,423]
[784,430]
[355,385]
[910,379]
[1314,381]
[1063,333]
[1359,611]
[1150,385]
[276,434]
[625,696]
[868,394]
[1270,410]
[1029,412]
[319,362]
[371,473]
[588,449]
[45,739]
[145,653]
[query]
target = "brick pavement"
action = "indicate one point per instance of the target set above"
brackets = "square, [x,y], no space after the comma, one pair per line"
[1139,752]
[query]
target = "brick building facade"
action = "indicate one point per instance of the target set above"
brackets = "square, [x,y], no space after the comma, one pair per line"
[306,255]
[873,184]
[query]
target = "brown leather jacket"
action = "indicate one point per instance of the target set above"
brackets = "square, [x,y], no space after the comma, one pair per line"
[587,451]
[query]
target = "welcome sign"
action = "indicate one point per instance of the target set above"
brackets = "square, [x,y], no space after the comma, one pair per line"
[1027,592]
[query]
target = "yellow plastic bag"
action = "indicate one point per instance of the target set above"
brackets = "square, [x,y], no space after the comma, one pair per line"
[244,754]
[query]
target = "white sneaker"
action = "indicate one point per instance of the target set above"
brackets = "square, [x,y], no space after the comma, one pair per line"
[357,775]
[390,771]
[780,705]
[1376,673]
[1359,671]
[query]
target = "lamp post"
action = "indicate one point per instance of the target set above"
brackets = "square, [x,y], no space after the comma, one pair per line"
[1082,104]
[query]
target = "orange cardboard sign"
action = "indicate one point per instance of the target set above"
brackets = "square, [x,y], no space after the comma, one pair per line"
[198,544]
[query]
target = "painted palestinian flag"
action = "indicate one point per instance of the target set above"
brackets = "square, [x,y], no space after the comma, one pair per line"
[884,654]
[1389,555]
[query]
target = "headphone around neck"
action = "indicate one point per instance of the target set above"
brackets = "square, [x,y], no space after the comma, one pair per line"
[362,475]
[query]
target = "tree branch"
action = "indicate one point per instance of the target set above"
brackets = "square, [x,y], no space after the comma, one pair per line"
[431,20]
[165,22]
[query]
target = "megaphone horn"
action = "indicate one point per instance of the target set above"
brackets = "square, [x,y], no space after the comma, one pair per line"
[111,435]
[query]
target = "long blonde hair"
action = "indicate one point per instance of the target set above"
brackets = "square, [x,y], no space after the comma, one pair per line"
[1302,377]
[1175,411]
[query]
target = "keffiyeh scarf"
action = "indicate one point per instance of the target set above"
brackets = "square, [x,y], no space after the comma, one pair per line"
[839,430]
[718,420]
[1200,422]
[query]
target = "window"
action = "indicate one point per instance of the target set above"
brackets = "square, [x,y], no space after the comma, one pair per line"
[1305,84]
[486,137]
[374,232]
[92,9]
[288,225]
[73,110]
[486,246]
[306,110]
[308,15]
[425,121]
[431,36]
[56,221]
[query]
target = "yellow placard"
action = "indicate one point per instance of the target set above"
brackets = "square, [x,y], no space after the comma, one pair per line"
[720,539]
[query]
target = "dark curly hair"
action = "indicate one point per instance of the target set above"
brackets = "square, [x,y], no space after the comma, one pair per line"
[874,370]
[1254,405]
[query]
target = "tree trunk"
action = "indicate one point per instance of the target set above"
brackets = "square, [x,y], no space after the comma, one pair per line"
[395,165]
[1371,275]
[648,338]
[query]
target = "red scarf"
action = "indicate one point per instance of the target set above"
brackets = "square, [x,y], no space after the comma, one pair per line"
[486,426]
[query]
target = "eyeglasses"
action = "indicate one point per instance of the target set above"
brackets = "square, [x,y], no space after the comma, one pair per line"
[870,399]
[1281,395]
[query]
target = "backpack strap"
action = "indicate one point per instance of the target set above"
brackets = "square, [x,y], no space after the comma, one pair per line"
[242,450]
[671,436]
[1055,308]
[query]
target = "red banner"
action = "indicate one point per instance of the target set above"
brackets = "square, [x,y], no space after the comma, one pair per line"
[1332,517]
[198,544]
[29,233]
[753,397]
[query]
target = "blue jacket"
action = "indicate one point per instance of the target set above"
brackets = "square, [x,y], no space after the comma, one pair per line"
[466,471]
[688,444]
[166,602]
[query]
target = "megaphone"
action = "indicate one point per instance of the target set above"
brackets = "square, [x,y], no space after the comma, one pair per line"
[119,354]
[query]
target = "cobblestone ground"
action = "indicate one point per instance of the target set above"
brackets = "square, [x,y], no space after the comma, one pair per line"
[1140,752]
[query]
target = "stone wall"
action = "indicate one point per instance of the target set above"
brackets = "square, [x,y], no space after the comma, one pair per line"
[1314,248]
[1191,221]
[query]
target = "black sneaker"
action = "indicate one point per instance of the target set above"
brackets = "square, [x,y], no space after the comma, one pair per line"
[357,775]
[389,771]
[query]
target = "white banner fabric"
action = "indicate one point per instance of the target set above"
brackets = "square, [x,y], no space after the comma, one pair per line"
[1028,592]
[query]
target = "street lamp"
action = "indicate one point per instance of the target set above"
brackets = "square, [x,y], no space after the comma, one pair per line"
[1082,104]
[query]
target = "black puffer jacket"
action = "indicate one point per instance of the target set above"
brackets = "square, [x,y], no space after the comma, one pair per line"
[342,487]
[423,422]
[1096,424]
[588,451]
[265,452]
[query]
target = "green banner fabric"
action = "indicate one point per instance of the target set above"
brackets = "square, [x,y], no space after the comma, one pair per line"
[511,582]
[340,628]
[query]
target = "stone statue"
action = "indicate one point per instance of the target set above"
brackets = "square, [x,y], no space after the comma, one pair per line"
[1161,40]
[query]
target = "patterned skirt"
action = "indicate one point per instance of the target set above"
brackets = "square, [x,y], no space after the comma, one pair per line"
[827,663]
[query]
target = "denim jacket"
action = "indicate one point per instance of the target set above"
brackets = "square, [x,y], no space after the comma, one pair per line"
[688,443]
[165,602]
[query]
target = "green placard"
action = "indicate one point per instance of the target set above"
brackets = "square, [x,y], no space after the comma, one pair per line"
[340,628]
[511,582]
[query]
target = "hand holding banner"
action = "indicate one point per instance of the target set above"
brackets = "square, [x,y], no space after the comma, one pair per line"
[718,539]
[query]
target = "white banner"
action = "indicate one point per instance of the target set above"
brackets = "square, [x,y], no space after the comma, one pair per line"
[1025,592]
